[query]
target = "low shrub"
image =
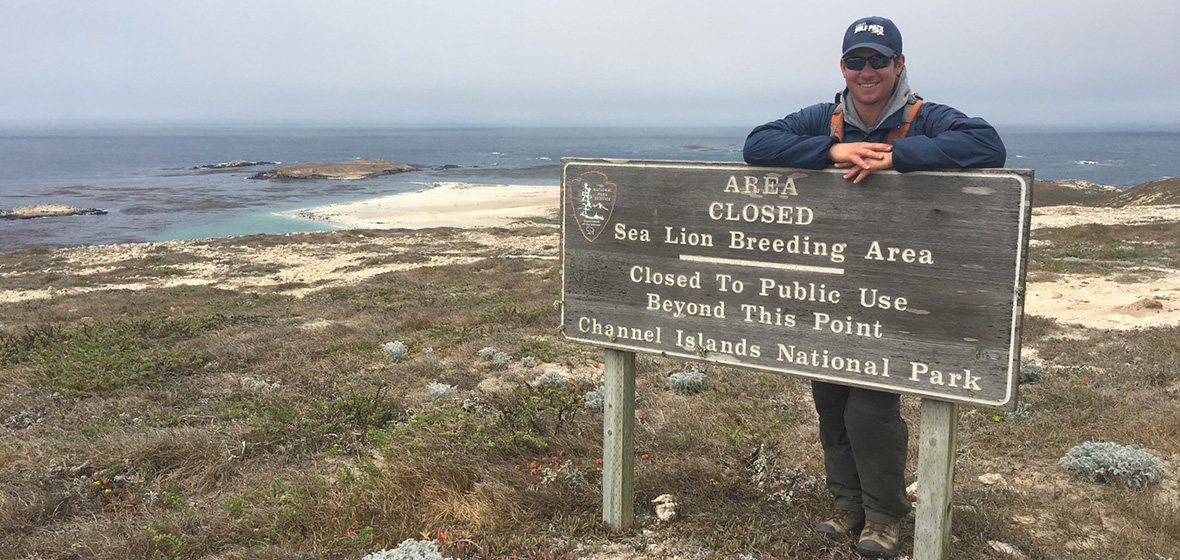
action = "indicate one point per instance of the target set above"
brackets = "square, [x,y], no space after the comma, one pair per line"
[1031,371]
[409,549]
[552,379]
[1111,462]
[688,382]
[440,391]
[594,399]
[501,360]
[395,351]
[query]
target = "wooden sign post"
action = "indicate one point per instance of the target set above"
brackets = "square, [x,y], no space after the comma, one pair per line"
[936,479]
[910,283]
[618,439]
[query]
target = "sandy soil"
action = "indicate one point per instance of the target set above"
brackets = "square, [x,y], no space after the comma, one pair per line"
[1067,216]
[304,259]
[1103,302]
[1093,302]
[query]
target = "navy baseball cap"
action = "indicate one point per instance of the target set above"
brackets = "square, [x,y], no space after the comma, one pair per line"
[876,33]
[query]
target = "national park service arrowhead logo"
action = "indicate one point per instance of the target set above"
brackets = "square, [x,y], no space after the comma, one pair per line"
[592,199]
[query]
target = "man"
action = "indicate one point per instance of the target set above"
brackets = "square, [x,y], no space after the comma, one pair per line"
[876,123]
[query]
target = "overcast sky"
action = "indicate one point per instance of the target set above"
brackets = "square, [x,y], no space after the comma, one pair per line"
[589,62]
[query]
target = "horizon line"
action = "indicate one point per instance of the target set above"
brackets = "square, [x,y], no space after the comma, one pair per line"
[321,124]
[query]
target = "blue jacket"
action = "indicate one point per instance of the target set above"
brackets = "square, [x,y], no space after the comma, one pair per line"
[941,137]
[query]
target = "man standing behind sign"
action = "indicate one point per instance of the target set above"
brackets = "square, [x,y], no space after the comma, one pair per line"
[876,123]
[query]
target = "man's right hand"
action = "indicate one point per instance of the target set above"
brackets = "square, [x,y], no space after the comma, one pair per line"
[866,157]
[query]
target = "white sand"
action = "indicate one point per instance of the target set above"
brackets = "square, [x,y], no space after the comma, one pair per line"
[442,205]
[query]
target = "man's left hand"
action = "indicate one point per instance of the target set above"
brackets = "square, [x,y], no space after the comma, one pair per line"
[859,172]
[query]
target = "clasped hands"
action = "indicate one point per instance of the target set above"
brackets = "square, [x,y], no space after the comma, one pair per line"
[862,157]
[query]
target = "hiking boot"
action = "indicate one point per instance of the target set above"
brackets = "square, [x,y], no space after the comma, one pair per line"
[879,540]
[843,525]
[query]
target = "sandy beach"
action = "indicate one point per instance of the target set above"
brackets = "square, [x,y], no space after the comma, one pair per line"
[442,205]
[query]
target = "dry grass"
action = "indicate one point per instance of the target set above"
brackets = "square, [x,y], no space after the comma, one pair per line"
[1106,249]
[285,433]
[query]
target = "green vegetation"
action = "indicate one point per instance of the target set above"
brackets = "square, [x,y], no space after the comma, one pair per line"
[103,356]
[194,422]
[1104,250]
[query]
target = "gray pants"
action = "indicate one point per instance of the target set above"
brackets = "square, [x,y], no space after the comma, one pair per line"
[865,445]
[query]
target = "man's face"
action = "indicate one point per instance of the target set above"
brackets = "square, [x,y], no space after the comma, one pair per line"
[869,86]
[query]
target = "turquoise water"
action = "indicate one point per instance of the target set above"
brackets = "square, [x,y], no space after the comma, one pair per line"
[240,224]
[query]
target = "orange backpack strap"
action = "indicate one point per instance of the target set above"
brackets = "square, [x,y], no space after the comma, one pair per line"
[837,127]
[903,129]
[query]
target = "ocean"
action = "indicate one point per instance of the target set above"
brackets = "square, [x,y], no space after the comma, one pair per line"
[149,181]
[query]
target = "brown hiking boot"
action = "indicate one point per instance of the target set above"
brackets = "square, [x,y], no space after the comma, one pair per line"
[843,524]
[879,540]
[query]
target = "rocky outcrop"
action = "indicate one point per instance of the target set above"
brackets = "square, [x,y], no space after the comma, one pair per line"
[347,170]
[233,164]
[1152,193]
[48,211]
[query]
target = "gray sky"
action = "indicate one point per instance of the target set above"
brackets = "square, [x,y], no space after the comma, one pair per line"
[590,62]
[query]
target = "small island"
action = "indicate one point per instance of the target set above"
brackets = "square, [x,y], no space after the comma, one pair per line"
[48,211]
[347,170]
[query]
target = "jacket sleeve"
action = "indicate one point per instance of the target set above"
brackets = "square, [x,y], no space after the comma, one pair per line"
[941,137]
[800,139]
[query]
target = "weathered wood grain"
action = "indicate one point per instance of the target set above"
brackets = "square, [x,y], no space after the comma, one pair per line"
[910,283]
[618,437]
[939,440]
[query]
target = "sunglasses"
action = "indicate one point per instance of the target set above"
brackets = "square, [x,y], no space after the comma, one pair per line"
[877,61]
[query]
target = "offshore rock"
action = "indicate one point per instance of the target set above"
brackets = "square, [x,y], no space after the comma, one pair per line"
[233,164]
[347,170]
[48,211]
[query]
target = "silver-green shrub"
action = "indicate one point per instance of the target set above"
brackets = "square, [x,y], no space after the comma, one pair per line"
[501,360]
[688,382]
[441,391]
[264,386]
[552,380]
[487,352]
[1110,462]
[395,351]
[1031,371]
[530,362]
[409,549]
[594,399]
[25,419]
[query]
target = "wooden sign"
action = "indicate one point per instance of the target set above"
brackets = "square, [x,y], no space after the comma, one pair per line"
[909,283]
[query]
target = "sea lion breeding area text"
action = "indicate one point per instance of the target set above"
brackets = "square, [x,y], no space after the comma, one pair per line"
[910,283]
